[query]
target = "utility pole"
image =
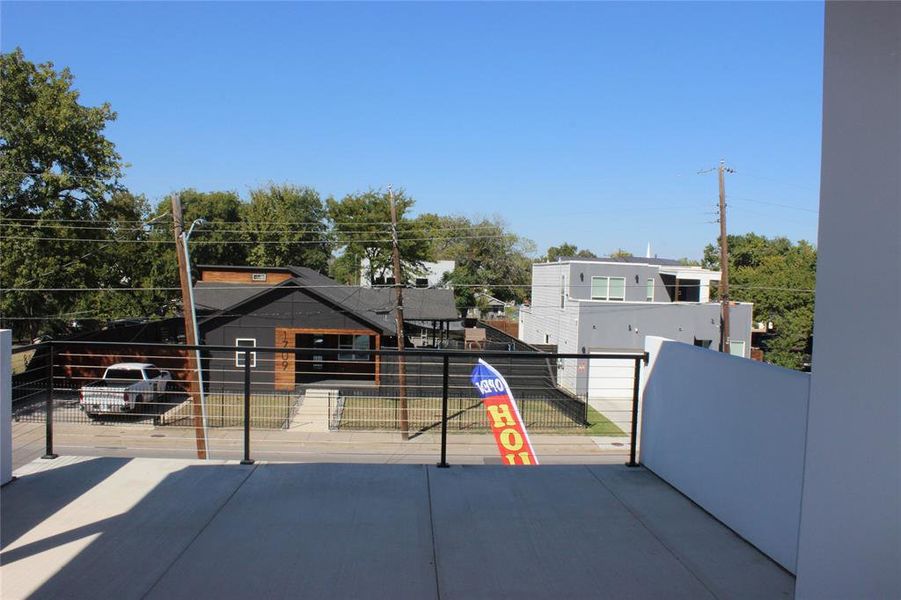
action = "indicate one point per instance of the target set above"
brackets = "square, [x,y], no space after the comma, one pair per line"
[184,275]
[399,318]
[724,260]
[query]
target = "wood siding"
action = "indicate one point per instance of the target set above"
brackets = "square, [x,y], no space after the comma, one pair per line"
[224,276]
[284,365]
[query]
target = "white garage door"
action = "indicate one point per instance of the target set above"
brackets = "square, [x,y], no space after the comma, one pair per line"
[610,378]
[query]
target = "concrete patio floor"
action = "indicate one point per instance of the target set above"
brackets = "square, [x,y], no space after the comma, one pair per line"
[79,527]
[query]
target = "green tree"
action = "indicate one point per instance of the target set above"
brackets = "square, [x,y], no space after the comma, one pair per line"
[361,224]
[448,234]
[778,277]
[288,225]
[57,170]
[620,253]
[128,262]
[210,244]
[495,262]
[565,250]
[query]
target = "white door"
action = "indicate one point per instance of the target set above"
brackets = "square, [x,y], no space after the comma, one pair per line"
[610,378]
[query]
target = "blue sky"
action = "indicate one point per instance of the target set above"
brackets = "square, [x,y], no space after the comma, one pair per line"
[574,122]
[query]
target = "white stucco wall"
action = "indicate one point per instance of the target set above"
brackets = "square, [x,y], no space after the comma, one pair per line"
[850,539]
[729,434]
[6,398]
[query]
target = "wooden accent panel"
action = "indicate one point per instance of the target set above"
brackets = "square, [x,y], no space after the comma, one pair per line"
[284,361]
[511,328]
[242,277]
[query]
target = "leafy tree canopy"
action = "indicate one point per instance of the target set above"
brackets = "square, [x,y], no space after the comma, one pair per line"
[566,250]
[362,227]
[495,262]
[777,276]
[56,167]
[288,224]
[620,253]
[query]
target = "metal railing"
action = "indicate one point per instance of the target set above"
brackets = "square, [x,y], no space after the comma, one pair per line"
[256,391]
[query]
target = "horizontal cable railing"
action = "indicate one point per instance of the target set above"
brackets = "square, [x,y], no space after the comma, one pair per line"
[315,403]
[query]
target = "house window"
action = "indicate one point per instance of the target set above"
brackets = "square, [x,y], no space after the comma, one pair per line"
[239,354]
[547,338]
[258,276]
[356,343]
[608,288]
[737,348]
[599,286]
[617,288]
[649,295]
[422,282]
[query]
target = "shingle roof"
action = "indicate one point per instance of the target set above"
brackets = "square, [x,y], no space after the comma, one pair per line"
[375,305]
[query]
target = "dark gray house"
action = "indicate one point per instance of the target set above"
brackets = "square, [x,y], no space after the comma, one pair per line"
[297,307]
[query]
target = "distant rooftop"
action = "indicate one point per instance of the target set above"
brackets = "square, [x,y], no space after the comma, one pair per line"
[641,260]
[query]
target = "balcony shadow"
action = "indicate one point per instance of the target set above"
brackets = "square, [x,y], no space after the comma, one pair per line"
[31,499]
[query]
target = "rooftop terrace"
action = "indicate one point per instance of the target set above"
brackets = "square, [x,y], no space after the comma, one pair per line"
[160,528]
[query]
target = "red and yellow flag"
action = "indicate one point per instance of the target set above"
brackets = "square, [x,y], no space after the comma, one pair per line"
[503,415]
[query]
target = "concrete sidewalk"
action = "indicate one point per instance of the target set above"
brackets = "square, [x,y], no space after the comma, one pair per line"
[291,445]
[159,528]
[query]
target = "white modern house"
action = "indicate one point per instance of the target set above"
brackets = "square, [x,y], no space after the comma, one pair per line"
[588,305]
[431,275]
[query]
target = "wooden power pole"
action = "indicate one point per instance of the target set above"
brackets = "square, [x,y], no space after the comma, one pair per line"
[724,260]
[184,275]
[399,318]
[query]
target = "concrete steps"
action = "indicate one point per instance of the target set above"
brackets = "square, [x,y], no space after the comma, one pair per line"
[314,410]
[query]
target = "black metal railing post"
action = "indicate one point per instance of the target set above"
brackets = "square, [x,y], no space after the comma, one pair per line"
[48,421]
[247,460]
[444,385]
[633,436]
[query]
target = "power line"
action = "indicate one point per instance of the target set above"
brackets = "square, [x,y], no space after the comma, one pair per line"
[486,285]
[249,229]
[250,242]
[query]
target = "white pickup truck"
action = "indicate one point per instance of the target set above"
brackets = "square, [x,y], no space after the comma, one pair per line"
[123,387]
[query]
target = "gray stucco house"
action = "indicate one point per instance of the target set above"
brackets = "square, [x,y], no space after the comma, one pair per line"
[606,304]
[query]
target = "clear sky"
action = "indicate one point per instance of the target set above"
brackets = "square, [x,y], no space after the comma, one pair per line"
[574,122]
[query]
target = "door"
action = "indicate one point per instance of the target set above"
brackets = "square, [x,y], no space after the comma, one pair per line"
[313,364]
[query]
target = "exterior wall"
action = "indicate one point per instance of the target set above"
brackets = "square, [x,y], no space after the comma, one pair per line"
[226,276]
[583,325]
[636,277]
[545,318]
[6,400]
[850,541]
[289,309]
[624,326]
[606,325]
[729,434]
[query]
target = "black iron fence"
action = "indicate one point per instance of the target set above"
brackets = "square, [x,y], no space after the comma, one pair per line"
[361,410]
[413,392]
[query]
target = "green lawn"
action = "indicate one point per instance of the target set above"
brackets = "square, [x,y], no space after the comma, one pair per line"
[267,411]
[376,413]
[598,424]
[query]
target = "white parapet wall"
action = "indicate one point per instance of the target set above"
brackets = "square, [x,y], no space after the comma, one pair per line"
[728,433]
[6,399]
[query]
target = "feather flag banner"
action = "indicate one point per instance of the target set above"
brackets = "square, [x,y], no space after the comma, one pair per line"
[503,415]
